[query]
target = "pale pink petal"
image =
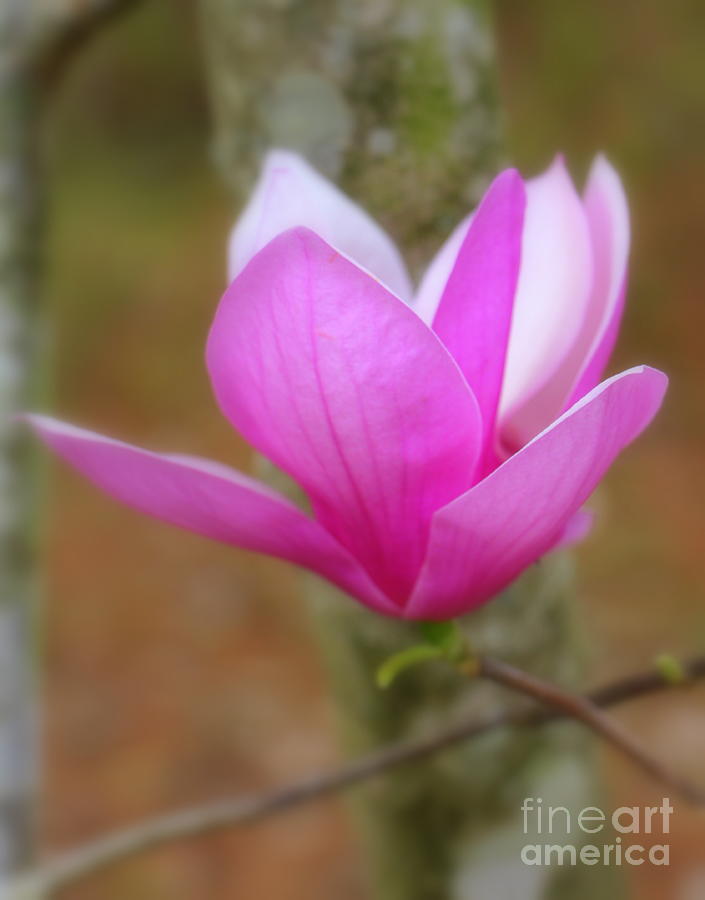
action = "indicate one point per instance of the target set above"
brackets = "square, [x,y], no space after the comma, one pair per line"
[475,312]
[577,528]
[608,222]
[484,539]
[436,275]
[290,193]
[345,388]
[554,288]
[209,499]
[608,218]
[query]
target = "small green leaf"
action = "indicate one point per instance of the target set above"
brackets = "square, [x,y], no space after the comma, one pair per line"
[670,669]
[405,659]
[447,636]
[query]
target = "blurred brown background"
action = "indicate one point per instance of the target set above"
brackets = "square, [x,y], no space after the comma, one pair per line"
[178,670]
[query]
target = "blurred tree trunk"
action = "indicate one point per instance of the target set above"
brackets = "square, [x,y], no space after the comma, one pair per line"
[37,38]
[19,330]
[396,99]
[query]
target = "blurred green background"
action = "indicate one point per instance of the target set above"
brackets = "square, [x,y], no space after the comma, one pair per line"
[178,670]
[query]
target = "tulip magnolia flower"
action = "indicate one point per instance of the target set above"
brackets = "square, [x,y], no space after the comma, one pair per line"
[447,439]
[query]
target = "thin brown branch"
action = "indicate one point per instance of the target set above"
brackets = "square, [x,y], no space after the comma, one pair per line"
[61,27]
[74,865]
[583,709]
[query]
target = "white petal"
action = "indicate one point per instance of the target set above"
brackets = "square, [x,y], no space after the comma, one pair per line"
[436,275]
[608,219]
[555,282]
[290,193]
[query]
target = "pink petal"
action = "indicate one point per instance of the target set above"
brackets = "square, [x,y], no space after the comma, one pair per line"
[608,218]
[344,387]
[554,287]
[475,312]
[290,193]
[484,539]
[209,499]
[437,274]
